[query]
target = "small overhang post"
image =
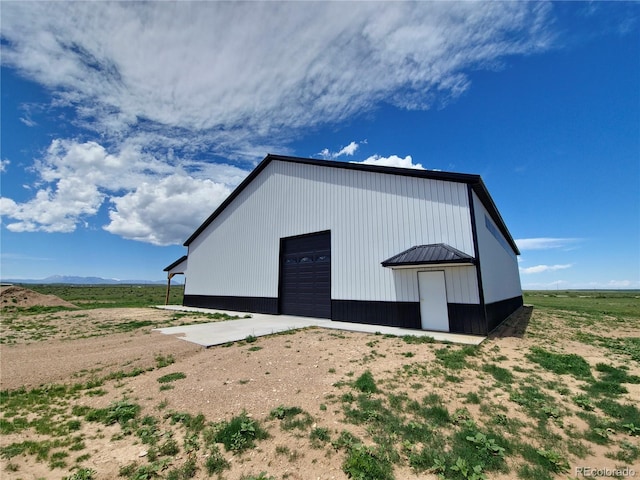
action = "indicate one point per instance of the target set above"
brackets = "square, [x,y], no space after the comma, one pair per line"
[169,277]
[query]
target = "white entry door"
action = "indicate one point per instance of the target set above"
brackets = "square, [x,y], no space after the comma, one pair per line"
[433,301]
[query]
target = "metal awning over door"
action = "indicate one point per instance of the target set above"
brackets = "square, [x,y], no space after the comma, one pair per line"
[305,275]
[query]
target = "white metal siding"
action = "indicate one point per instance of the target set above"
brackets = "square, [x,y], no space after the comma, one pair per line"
[371,217]
[461,281]
[498,264]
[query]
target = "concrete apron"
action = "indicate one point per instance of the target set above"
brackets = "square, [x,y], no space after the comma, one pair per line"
[261,324]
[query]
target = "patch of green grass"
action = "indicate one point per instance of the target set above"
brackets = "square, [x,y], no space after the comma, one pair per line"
[533,472]
[472,397]
[193,423]
[608,389]
[617,304]
[38,449]
[215,462]
[164,361]
[319,436]
[172,377]
[584,402]
[477,447]
[417,340]
[169,448]
[627,346]
[561,363]
[435,413]
[260,476]
[121,412]
[502,375]
[126,326]
[119,375]
[553,460]
[184,472]
[107,296]
[370,410]
[455,358]
[365,383]
[624,414]
[240,433]
[367,463]
[292,417]
[609,373]
[83,474]
[628,453]
[598,431]
[533,400]
[57,460]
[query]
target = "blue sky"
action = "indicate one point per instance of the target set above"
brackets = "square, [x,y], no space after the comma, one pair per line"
[125,124]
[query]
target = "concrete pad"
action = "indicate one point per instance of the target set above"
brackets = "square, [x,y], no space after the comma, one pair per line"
[261,324]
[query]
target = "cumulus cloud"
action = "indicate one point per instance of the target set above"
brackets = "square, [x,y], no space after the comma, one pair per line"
[546,243]
[544,268]
[392,161]
[165,213]
[159,206]
[3,165]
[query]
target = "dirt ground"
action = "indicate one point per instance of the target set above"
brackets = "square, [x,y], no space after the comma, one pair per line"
[301,369]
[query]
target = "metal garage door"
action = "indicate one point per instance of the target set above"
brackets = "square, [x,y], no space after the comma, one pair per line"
[305,275]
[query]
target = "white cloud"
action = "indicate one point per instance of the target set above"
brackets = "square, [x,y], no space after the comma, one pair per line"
[392,161]
[577,285]
[3,165]
[167,212]
[158,205]
[28,121]
[349,150]
[622,284]
[221,67]
[544,268]
[53,210]
[545,243]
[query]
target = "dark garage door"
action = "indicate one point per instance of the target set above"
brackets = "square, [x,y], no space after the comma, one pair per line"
[305,275]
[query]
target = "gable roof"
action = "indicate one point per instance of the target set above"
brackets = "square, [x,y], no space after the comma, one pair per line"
[475,181]
[434,254]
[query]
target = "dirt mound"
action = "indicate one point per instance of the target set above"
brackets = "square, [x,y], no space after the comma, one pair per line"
[11,297]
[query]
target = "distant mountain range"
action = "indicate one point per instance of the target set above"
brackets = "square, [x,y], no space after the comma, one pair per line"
[73,280]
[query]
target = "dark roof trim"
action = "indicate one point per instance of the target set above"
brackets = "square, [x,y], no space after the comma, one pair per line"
[176,263]
[434,254]
[474,180]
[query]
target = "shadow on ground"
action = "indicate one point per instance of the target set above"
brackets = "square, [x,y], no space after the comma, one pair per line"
[515,325]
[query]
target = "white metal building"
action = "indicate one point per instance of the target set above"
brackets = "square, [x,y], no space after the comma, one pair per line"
[359,243]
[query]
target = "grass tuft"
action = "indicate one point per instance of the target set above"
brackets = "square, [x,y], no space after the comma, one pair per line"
[365,383]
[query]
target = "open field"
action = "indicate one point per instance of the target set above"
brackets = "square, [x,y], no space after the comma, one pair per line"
[94,393]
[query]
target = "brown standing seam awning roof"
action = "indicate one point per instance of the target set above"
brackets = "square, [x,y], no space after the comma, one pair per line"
[434,254]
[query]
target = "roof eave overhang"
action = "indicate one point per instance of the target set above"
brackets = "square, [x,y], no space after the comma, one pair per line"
[176,264]
[399,266]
